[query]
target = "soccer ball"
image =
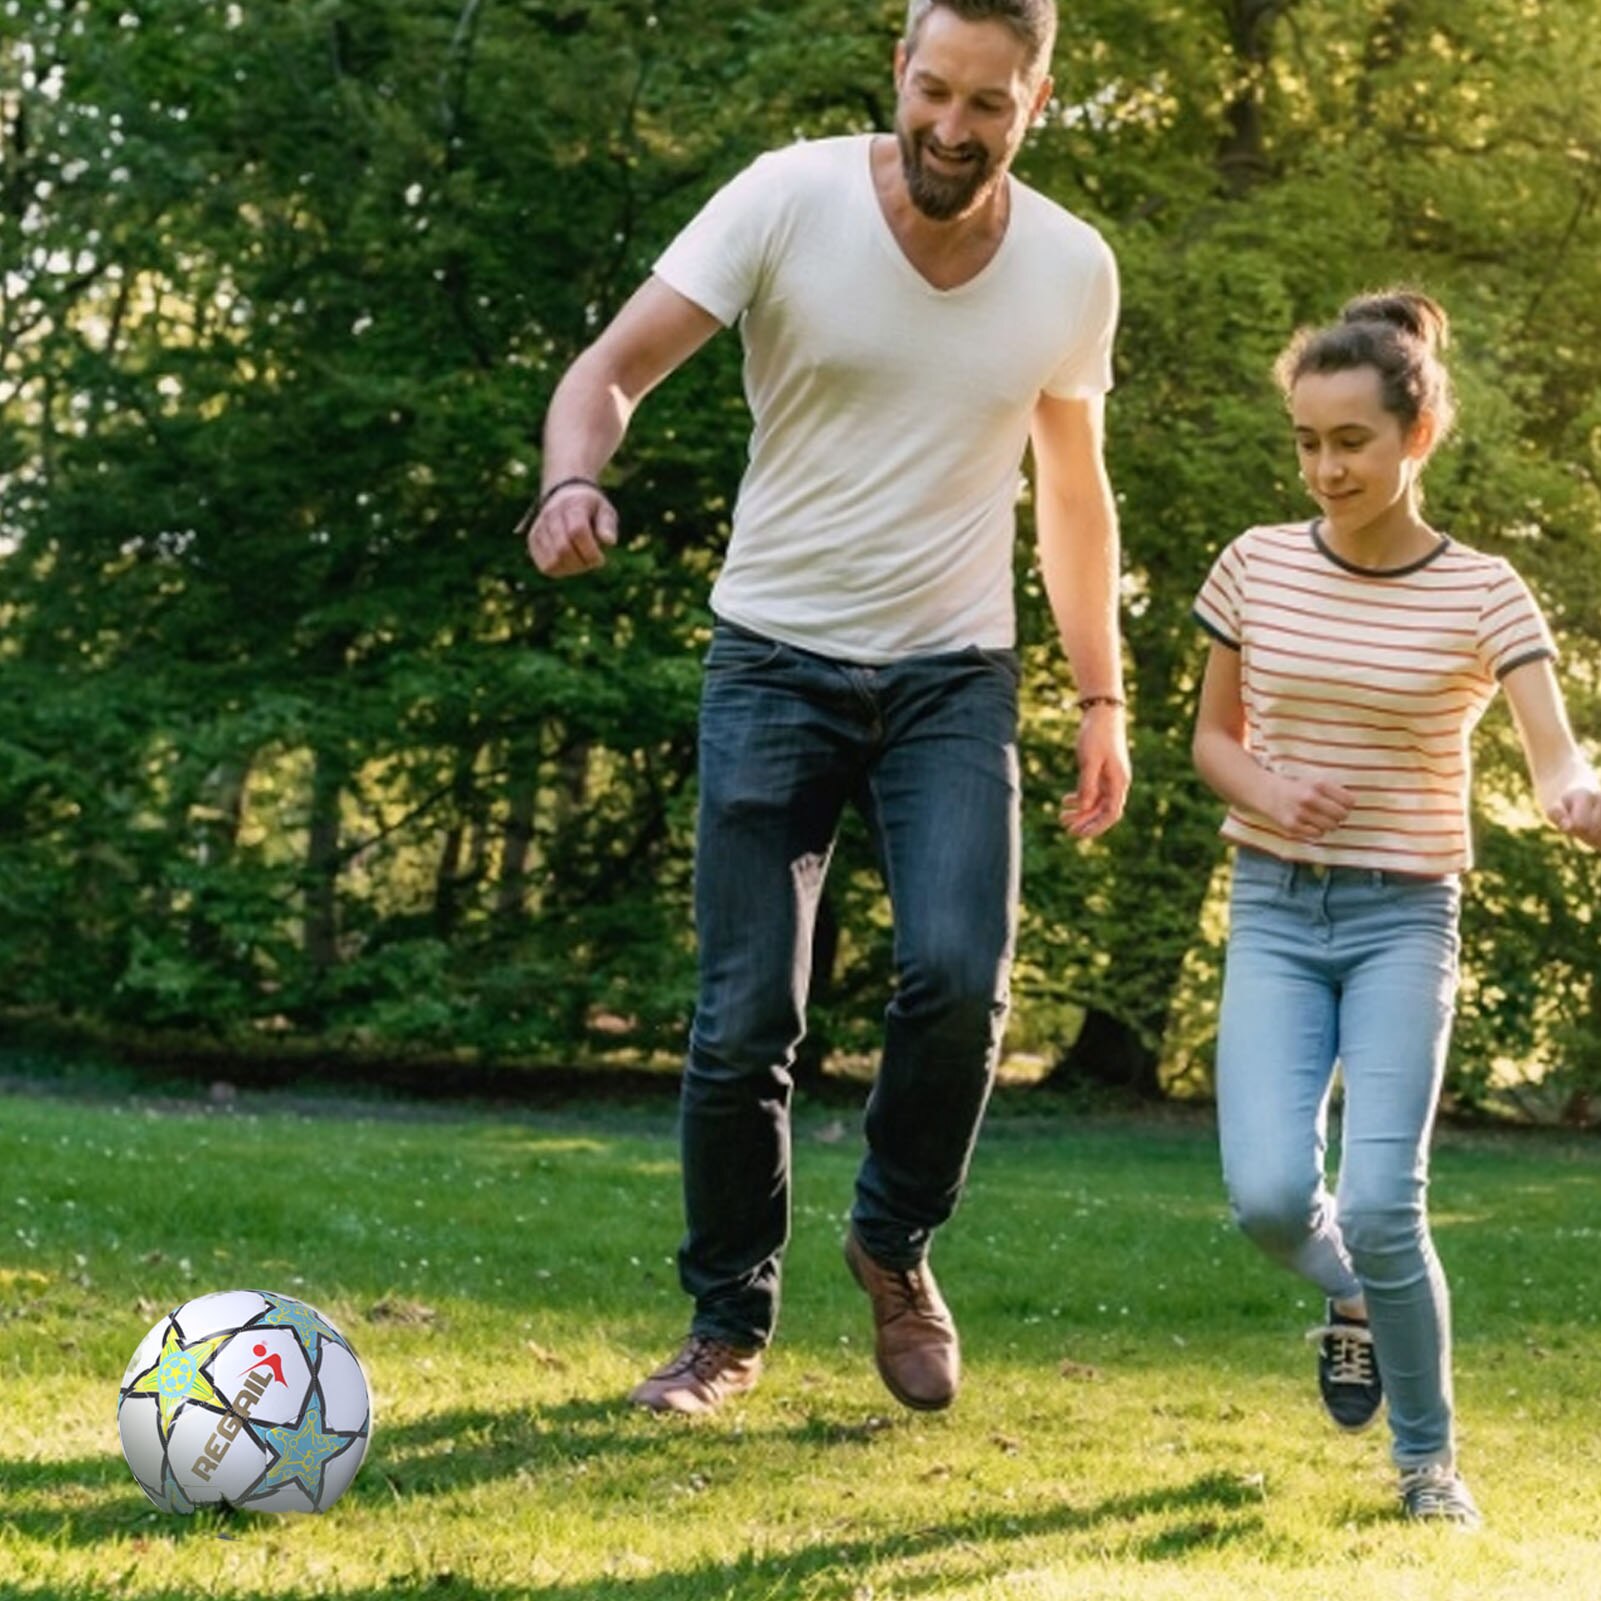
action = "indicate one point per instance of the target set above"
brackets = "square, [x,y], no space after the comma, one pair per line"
[244,1399]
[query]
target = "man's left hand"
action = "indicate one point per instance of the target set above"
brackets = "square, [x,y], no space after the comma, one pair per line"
[1104,774]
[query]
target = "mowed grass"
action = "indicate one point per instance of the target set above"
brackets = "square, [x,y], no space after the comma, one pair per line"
[1139,1417]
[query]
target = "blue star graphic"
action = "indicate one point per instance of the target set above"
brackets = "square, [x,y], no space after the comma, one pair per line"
[176,1500]
[301,1452]
[282,1312]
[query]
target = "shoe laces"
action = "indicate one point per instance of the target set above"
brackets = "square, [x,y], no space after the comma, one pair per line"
[914,1288]
[701,1356]
[1437,1492]
[1349,1348]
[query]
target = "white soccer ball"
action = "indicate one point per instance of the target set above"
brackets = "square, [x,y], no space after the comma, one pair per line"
[244,1399]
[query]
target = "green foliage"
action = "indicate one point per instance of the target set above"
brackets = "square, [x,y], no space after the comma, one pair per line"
[297,745]
[1426,144]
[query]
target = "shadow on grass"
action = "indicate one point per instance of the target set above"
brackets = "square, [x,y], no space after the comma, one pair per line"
[456,1449]
[1208,1511]
[84,1501]
[75,1502]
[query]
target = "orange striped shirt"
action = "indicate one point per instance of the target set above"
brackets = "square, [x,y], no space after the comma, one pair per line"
[1373,679]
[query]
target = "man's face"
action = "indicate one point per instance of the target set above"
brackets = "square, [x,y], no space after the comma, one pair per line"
[964,101]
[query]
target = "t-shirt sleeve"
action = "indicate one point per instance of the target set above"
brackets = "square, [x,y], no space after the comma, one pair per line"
[719,258]
[1218,606]
[1512,628]
[1086,370]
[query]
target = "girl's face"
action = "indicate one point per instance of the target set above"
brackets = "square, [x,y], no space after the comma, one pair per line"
[1359,463]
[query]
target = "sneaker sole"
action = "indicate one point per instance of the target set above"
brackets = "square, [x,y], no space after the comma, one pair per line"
[1352,1428]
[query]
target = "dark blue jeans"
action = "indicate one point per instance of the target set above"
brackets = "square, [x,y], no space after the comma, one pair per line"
[927,748]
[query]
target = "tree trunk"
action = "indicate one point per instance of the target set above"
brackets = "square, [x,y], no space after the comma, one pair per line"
[1242,160]
[217,819]
[1121,1049]
[321,935]
[220,812]
[522,796]
[449,877]
[1108,1054]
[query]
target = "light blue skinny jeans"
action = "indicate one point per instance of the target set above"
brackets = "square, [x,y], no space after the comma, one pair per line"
[1358,967]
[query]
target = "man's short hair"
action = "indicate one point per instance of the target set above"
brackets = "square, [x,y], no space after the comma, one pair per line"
[1033,21]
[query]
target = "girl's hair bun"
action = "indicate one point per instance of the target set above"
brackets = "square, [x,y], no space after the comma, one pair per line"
[1409,310]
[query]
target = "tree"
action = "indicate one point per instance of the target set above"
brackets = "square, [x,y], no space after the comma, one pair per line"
[296,743]
[1385,143]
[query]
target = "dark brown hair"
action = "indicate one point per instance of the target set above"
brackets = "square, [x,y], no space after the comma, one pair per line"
[1400,334]
[1033,21]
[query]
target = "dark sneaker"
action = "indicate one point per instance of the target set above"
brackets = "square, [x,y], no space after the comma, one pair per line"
[914,1335]
[1438,1495]
[704,1374]
[1347,1375]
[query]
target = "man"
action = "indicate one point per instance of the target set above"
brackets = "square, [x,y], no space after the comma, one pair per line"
[912,316]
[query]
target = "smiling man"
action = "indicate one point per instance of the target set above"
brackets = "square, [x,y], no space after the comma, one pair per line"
[913,317]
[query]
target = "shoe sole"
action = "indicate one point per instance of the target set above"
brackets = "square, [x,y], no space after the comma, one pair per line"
[665,1408]
[915,1403]
[1352,1428]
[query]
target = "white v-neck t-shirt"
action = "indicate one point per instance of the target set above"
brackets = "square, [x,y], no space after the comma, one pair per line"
[875,519]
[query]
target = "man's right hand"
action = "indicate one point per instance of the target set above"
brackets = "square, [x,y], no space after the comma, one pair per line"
[572,532]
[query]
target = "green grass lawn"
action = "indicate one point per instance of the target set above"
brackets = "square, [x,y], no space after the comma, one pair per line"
[1139,1417]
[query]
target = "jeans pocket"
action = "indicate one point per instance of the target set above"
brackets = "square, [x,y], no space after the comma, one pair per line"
[1003,659]
[1257,879]
[1252,895]
[739,650]
[1430,906]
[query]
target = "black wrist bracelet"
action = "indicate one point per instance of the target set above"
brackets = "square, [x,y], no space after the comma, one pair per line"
[1086,701]
[566,483]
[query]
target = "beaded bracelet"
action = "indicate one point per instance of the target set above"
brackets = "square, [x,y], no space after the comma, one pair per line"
[1086,701]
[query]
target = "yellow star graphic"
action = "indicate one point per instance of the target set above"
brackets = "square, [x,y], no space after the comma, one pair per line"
[175,1377]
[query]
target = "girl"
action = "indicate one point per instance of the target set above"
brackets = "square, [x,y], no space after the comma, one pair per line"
[1351,658]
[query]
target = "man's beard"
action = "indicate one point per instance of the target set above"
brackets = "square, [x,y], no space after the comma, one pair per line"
[937,196]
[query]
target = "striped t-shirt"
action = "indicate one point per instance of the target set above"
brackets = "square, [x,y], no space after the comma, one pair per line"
[1373,679]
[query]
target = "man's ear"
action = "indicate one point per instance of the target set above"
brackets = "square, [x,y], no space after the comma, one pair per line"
[1042,98]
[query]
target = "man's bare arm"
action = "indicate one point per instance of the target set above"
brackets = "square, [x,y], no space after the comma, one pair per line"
[655,333]
[1078,541]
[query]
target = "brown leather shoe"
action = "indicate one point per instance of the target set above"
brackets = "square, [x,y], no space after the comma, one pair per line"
[704,1373]
[919,1356]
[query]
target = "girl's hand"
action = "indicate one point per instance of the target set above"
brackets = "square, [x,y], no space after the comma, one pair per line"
[1578,813]
[1307,808]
